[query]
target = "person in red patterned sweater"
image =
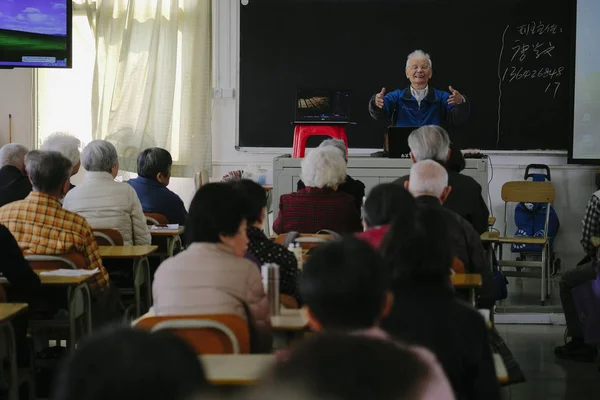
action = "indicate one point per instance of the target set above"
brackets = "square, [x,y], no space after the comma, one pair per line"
[319,205]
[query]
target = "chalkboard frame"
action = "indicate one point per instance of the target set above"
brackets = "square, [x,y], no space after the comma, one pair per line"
[565,148]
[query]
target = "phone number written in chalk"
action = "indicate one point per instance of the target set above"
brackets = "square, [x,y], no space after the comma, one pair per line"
[512,74]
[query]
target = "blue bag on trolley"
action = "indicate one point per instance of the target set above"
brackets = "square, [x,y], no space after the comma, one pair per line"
[530,219]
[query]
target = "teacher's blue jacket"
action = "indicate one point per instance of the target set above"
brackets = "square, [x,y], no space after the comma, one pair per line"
[403,109]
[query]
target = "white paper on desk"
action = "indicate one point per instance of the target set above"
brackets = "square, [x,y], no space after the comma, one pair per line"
[69,272]
[169,227]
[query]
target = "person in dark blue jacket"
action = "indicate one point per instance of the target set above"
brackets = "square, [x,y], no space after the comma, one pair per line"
[420,104]
[154,173]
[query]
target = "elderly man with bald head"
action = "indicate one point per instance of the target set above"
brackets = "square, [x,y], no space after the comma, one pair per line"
[14,183]
[432,143]
[428,183]
[420,104]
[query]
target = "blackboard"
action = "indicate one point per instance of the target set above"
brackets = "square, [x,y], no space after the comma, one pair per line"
[513,59]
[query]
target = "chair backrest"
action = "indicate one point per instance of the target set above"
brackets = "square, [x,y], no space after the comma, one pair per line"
[59,261]
[528,192]
[207,334]
[200,179]
[108,237]
[156,219]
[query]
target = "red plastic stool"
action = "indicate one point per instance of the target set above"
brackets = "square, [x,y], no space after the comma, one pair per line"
[302,132]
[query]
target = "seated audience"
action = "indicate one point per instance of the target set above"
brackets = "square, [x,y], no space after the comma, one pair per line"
[105,203]
[14,183]
[154,174]
[345,287]
[126,364]
[419,257]
[585,271]
[384,203]
[212,276]
[353,187]
[456,161]
[432,143]
[429,184]
[42,226]
[320,205]
[68,146]
[349,367]
[23,283]
[260,247]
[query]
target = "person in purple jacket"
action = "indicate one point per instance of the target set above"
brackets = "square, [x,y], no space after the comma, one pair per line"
[154,174]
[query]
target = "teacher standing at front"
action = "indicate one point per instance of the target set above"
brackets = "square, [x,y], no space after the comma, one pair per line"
[420,104]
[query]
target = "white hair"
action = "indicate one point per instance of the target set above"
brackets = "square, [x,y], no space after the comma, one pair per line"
[323,167]
[13,154]
[429,142]
[419,53]
[65,144]
[337,143]
[427,178]
[99,156]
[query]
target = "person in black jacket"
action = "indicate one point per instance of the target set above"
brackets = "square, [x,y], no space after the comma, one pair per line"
[262,250]
[352,186]
[426,310]
[432,143]
[429,185]
[14,183]
[23,283]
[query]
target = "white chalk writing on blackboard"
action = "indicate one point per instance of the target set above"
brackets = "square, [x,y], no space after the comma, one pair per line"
[530,47]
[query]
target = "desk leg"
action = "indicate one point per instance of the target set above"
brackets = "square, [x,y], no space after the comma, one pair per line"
[171,242]
[87,311]
[148,284]
[13,390]
[137,283]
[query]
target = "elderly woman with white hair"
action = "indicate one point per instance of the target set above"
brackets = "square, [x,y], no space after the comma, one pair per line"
[68,146]
[320,205]
[353,187]
[105,203]
[419,104]
[14,183]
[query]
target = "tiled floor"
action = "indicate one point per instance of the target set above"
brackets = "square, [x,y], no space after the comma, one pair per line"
[547,377]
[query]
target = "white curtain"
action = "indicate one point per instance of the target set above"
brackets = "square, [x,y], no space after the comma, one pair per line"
[151,83]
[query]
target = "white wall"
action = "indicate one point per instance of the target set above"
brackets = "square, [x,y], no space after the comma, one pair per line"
[16,99]
[574,184]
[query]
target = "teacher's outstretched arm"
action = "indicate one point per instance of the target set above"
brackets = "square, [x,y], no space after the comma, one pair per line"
[456,108]
[382,105]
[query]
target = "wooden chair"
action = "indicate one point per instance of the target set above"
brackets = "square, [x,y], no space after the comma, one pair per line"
[207,334]
[525,192]
[156,219]
[51,262]
[108,237]
[288,301]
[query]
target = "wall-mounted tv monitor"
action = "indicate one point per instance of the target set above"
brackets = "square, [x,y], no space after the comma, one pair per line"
[35,33]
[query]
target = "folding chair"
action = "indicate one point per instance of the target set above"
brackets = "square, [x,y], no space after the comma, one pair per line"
[108,237]
[525,192]
[207,334]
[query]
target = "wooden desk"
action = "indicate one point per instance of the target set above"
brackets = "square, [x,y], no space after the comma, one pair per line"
[141,269]
[173,237]
[7,312]
[126,252]
[236,369]
[167,232]
[77,290]
[467,281]
[10,310]
[289,320]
